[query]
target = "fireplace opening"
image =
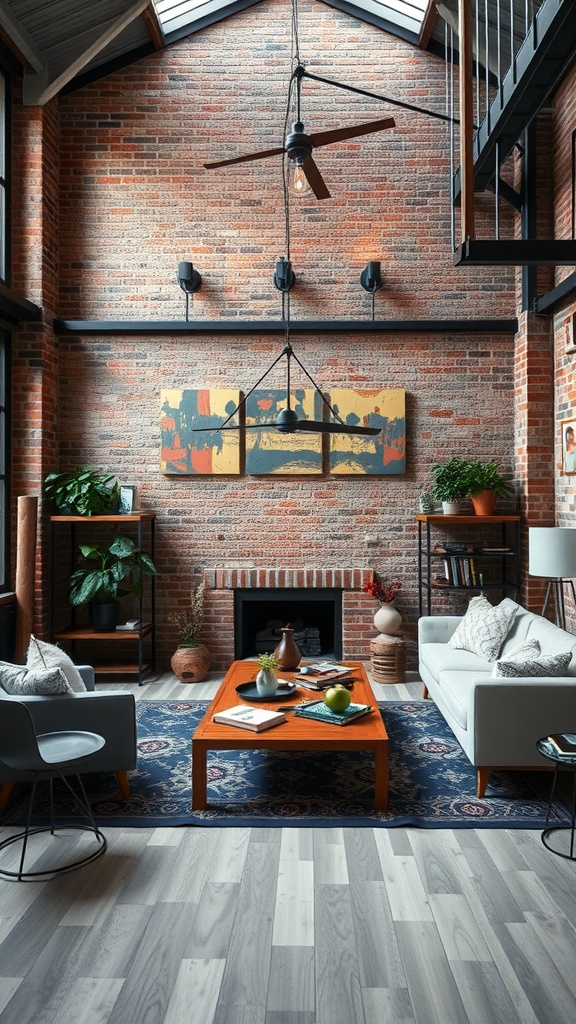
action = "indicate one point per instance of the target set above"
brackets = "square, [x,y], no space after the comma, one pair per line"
[315,614]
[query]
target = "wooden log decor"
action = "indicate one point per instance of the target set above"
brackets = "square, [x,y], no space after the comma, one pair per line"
[25,574]
[388,659]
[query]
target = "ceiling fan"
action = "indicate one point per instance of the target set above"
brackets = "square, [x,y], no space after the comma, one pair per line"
[287,421]
[298,145]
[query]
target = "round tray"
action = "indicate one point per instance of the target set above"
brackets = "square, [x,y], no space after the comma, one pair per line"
[248,691]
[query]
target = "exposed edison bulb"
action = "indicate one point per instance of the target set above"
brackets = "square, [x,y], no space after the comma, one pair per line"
[297,181]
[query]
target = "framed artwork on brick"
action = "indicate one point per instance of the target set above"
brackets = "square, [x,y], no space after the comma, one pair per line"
[568,442]
[268,450]
[186,453]
[381,455]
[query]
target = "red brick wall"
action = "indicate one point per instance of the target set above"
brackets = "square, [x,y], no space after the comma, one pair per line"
[133,200]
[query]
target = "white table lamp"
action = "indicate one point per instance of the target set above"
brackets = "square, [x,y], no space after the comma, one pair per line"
[552,554]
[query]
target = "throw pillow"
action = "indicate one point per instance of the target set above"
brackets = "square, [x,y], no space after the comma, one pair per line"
[528,650]
[548,665]
[10,674]
[31,683]
[484,628]
[43,656]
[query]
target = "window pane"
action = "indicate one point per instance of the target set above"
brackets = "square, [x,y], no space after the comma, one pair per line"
[2,536]
[2,126]
[2,232]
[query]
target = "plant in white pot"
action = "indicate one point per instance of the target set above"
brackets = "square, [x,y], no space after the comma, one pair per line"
[266,680]
[191,660]
[450,483]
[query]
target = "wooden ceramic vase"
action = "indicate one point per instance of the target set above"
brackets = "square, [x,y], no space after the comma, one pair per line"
[288,654]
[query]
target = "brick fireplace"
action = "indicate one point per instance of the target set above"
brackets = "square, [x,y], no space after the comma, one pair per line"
[354,605]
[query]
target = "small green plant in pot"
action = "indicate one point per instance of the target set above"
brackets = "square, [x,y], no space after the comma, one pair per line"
[266,681]
[450,480]
[84,492]
[119,571]
[191,660]
[485,483]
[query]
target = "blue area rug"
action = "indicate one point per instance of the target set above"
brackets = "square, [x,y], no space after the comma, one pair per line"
[432,783]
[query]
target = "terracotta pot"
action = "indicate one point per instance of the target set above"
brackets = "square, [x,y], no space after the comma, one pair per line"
[484,503]
[190,664]
[387,619]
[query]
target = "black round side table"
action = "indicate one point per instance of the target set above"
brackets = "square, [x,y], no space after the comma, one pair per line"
[545,747]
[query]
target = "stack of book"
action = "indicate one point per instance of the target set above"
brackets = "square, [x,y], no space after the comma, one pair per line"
[317,710]
[323,674]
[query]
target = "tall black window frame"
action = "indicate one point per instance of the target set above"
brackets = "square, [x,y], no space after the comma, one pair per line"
[8,70]
[5,352]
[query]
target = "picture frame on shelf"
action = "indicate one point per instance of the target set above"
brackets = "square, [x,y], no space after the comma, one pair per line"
[127,499]
[568,442]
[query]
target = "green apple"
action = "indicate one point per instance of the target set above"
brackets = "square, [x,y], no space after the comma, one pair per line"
[337,698]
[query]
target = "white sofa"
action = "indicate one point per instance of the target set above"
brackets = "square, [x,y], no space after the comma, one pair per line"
[498,721]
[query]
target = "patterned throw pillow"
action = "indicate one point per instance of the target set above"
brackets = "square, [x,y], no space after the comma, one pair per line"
[43,656]
[548,665]
[484,628]
[528,650]
[25,683]
[10,674]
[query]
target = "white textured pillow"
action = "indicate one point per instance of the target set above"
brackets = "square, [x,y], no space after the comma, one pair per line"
[31,683]
[484,628]
[10,674]
[549,665]
[528,650]
[43,656]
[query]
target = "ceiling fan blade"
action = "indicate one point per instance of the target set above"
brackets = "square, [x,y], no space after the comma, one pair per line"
[352,132]
[321,427]
[245,159]
[315,179]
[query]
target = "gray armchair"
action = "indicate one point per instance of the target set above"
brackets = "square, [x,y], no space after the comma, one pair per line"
[112,714]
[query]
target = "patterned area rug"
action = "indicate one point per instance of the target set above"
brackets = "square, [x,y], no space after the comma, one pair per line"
[432,783]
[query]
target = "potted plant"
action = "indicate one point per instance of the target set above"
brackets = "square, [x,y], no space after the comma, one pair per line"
[266,681]
[191,660]
[84,492]
[118,571]
[450,483]
[484,484]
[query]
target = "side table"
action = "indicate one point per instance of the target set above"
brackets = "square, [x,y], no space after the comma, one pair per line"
[545,747]
[388,659]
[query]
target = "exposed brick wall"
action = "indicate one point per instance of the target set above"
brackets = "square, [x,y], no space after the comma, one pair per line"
[133,200]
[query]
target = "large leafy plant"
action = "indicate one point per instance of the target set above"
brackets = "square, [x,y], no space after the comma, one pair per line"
[450,479]
[485,476]
[85,492]
[118,571]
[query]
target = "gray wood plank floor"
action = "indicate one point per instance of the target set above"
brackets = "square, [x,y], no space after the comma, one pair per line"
[295,926]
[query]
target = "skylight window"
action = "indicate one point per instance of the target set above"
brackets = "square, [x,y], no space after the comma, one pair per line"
[181,17]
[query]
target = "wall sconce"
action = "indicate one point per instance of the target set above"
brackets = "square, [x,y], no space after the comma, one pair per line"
[284,277]
[371,276]
[189,280]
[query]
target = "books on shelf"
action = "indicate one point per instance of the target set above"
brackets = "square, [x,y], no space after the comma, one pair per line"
[564,743]
[456,571]
[129,626]
[320,713]
[255,719]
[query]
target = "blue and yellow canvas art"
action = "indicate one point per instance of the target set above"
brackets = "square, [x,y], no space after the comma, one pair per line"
[268,450]
[382,454]
[187,453]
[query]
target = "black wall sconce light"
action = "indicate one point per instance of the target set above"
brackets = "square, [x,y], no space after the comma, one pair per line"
[189,280]
[371,276]
[284,277]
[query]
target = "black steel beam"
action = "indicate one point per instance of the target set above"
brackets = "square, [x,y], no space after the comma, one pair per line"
[547,303]
[264,327]
[488,252]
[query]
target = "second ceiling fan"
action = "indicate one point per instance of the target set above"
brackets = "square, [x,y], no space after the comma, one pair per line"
[298,146]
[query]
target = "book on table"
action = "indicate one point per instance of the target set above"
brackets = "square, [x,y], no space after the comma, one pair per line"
[256,719]
[318,710]
[321,675]
[564,743]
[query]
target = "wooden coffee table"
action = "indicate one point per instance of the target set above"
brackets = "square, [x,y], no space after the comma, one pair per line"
[367,733]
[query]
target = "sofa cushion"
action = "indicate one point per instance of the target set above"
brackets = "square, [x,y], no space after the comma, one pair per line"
[484,627]
[456,690]
[43,656]
[545,665]
[440,658]
[19,681]
[521,652]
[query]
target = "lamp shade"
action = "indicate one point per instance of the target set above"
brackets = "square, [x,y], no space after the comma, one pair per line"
[552,552]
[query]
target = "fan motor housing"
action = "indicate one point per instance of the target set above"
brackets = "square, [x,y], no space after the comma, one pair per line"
[287,421]
[298,143]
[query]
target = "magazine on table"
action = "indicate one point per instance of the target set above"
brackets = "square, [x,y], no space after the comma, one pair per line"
[256,719]
[319,712]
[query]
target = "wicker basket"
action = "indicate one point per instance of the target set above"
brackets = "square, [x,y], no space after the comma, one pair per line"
[388,659]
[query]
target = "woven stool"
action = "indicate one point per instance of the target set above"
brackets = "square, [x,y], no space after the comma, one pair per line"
[388,659]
